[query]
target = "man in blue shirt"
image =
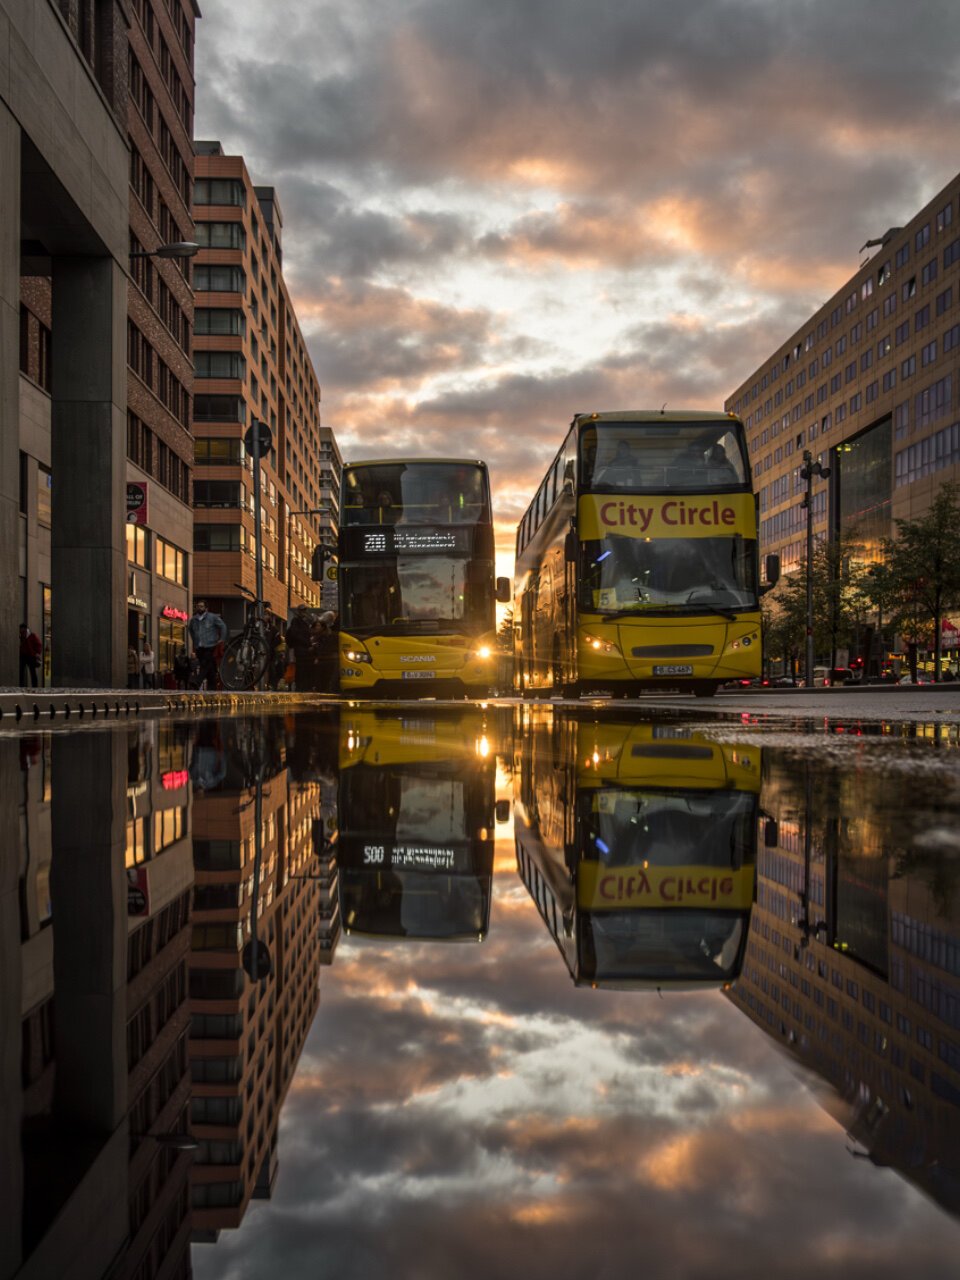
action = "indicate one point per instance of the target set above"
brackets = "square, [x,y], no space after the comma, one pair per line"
[207,631]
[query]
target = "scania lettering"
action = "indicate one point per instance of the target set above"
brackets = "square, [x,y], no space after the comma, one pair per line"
[637,561]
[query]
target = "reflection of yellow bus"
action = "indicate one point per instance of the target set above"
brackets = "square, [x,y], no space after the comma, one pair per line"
[416,579]
[638,844]
[416,811]
[637,560]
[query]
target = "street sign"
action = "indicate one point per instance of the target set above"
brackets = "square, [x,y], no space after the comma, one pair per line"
[265,436]
[257,966]
[137,502]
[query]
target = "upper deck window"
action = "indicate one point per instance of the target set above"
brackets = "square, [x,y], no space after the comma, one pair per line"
[639,456]
[415,493]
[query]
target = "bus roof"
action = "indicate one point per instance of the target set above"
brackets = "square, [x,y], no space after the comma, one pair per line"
[654,415]
[412,462]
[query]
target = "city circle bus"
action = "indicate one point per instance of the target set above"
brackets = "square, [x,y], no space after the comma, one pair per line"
[637,562]
[416,824]
[416,579]
[638,844]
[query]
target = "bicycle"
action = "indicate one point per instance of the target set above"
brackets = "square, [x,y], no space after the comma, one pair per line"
[246,656]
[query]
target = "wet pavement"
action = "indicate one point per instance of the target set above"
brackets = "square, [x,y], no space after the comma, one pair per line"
[433,989]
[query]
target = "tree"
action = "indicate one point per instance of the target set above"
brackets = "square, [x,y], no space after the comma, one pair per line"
[505,631]
[924,560]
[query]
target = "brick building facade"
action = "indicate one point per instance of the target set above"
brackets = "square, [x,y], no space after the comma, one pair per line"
[252,363]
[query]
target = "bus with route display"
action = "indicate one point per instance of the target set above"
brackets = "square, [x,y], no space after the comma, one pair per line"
[638,844]
[416,580]
[417,813]
[637,562]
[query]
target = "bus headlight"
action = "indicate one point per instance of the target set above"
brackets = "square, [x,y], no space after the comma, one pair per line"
[483,652]
[599,645]
[357,655]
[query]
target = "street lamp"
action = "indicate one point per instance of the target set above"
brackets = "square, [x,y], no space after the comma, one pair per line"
[807,472]
[306,511]
[178,249]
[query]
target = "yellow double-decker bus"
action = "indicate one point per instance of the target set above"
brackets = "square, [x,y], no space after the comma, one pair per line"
[638,844]
[416,579]
[417,819]
[637,563]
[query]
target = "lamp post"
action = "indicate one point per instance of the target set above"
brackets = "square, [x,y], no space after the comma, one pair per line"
[306,511]
[178,249]
[807,472]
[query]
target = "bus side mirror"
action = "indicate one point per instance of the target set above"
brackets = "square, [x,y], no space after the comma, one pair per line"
[570,544]
[569,470]
[771,572]
[504,590]
[317,563]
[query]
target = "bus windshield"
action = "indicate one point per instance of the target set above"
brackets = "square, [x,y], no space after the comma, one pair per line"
[429,493]
[639,456]
[669,828]
[416,594]
[634,575]
[690,946]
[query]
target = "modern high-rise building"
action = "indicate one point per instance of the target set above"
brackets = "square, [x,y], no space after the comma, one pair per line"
[252,364]
[159,325]
[63,264]
[105,524]
[870,384]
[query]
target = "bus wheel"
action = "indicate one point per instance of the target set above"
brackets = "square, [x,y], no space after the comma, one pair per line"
[705,688]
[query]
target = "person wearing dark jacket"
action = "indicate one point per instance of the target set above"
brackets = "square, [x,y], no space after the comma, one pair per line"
[300,638]
[30,651]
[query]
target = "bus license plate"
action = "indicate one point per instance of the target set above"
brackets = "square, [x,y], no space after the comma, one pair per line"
[677,669]
[419,675]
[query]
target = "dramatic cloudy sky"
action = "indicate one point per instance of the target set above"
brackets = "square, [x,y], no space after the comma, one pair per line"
[501,212]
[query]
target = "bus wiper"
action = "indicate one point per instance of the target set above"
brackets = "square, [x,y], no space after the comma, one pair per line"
[722,610]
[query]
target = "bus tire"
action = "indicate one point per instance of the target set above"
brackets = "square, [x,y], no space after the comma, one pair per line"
[705,688]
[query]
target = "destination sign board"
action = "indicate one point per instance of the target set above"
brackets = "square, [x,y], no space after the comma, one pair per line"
[415,540]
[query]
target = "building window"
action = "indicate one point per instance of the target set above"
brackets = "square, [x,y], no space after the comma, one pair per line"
[219,191]
[929,272]
[219,537]
[219,364]
[44,495]
[219,409]
[217,493]
[909,367]
[855,402]
[926,457]
[218,320]
[214,278]
[945,217]
[171,562]
[210,451]
[928,354]
[902,255]
[922,318]
[922,237]
[220,235]
[138,545]
[909,288]
[944,300]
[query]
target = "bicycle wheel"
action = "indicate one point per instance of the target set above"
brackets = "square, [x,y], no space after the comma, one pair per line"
[244,661]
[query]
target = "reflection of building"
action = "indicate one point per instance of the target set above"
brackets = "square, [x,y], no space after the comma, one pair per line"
[101,1003]
[637,843]
[246,1036]
[252,364]
[852,965]
[416,815]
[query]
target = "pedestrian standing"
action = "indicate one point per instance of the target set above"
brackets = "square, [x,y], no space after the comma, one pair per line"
[327,648]
[148,666]
[207,632]
[30,651]
[134,678]
[300,637]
